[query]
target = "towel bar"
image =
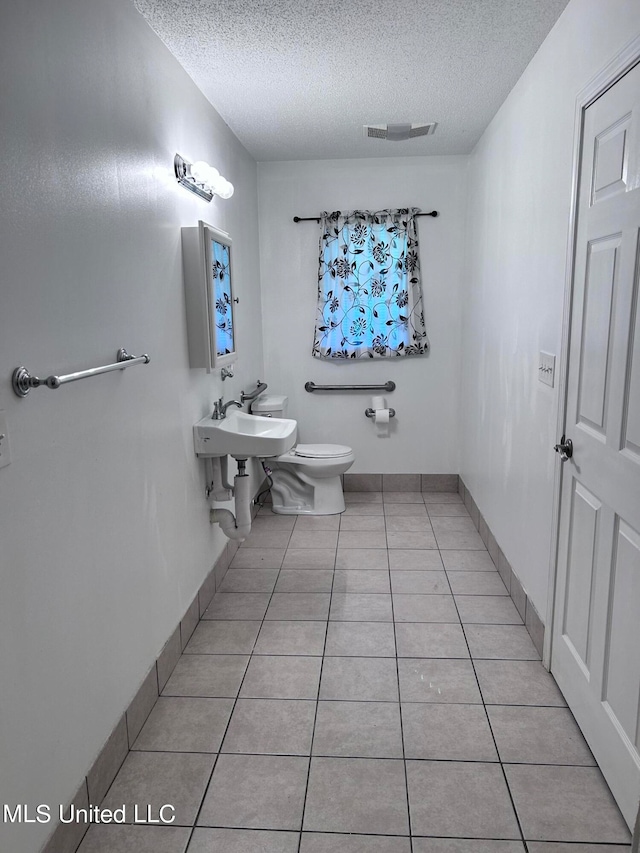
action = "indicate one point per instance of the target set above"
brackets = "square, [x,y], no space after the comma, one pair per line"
[23,381]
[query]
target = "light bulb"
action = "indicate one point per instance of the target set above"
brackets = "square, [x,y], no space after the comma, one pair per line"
[211,177]
[200,171]
[227,190]
[218,185]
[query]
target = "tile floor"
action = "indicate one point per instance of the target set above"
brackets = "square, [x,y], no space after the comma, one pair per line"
[363,683]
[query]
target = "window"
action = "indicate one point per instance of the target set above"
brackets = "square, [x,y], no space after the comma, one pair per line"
[369,288]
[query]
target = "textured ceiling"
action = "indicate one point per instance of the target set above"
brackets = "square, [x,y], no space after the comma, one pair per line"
[297,80]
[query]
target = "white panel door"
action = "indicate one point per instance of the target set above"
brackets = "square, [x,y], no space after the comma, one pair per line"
[596,633]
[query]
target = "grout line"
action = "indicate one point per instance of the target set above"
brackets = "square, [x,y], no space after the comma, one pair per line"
[577,844]
[603,845]
[235,702]
[315,716]
[500,762]
[374,701]
[332,755]
[404,754]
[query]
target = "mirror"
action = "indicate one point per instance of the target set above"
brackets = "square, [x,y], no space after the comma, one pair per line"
[207,264]
[220,299]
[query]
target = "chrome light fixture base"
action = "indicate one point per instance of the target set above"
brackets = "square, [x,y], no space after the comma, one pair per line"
[184,177]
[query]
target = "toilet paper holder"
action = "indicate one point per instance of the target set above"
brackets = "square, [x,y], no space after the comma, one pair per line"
[370,413]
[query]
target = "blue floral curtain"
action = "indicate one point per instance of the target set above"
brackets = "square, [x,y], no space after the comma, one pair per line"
[369,289]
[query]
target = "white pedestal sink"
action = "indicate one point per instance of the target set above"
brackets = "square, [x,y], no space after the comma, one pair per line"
[243,436]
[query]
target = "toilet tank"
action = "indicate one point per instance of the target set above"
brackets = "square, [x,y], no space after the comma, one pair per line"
[270,406]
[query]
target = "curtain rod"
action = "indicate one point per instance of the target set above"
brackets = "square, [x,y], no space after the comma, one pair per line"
[433,213]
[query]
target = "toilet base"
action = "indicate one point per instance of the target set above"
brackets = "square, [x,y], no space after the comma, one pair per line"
[292,496]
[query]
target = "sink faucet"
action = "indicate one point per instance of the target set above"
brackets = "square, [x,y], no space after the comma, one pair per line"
[220,409]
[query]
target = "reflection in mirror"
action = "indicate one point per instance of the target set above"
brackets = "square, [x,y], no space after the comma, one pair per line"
[221,277]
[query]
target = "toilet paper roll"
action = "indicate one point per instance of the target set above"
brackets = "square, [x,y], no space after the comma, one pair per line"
[380,415]
[381,420]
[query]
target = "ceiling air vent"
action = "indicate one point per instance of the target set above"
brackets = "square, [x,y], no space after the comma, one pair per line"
[399,132]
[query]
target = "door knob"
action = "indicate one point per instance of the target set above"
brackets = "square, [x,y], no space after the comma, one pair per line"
[565,448]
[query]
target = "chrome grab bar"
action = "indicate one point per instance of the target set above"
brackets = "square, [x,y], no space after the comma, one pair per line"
[23,381]
[311,386]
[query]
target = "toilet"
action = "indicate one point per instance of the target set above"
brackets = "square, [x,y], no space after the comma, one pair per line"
[306,479]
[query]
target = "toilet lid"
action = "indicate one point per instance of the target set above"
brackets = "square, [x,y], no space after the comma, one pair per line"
[321,451]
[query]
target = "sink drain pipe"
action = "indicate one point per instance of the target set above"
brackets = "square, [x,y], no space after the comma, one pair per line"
[216,470]
[236,526]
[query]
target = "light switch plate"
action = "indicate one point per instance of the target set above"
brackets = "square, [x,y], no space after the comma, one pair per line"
[547,368]
[5,452]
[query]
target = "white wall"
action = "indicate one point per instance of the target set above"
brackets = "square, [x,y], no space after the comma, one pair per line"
[519,205]
[104,528]
[423,436]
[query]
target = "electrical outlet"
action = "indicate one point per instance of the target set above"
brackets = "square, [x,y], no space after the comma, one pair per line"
[5,452]
[547,368]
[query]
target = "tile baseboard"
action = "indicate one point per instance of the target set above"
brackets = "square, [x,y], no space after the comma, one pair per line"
[530,616]
[400,482]
[440,482]
[67,837]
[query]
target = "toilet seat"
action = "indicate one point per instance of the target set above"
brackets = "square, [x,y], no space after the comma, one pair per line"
[321,451]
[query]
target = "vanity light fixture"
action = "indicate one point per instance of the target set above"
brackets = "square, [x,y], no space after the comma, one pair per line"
[201,178]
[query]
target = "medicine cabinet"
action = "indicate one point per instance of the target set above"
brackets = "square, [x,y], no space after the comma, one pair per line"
[208,282]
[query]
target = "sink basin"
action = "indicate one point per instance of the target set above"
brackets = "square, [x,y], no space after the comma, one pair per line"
[241,435]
